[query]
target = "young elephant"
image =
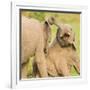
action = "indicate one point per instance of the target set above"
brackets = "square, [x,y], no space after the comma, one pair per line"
[62,53]
[34,41]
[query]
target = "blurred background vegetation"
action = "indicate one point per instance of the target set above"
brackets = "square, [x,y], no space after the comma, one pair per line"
[68,18]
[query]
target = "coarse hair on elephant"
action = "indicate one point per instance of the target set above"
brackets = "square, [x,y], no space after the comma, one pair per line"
[34,41]
[62,53]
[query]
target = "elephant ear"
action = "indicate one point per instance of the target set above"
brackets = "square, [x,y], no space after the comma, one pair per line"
[73,44]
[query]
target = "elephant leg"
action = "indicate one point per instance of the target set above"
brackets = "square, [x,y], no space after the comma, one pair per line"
[51,69]
[41,64]
[42,68]
[65,71]
[24,70]
[35,70]
[63,68]
[76,62]
[41,59]
[77,66]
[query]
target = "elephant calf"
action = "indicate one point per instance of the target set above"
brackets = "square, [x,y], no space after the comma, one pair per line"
[62,53]
[34,41]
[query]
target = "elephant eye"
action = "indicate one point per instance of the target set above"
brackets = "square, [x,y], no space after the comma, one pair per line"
[61,37]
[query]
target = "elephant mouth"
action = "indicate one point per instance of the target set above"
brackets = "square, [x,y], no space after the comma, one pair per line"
[62,43]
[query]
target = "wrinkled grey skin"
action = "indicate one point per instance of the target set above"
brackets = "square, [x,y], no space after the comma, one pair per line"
[34,41]
[62,53]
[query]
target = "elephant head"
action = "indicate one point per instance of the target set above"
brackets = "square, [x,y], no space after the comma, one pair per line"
[65,36]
